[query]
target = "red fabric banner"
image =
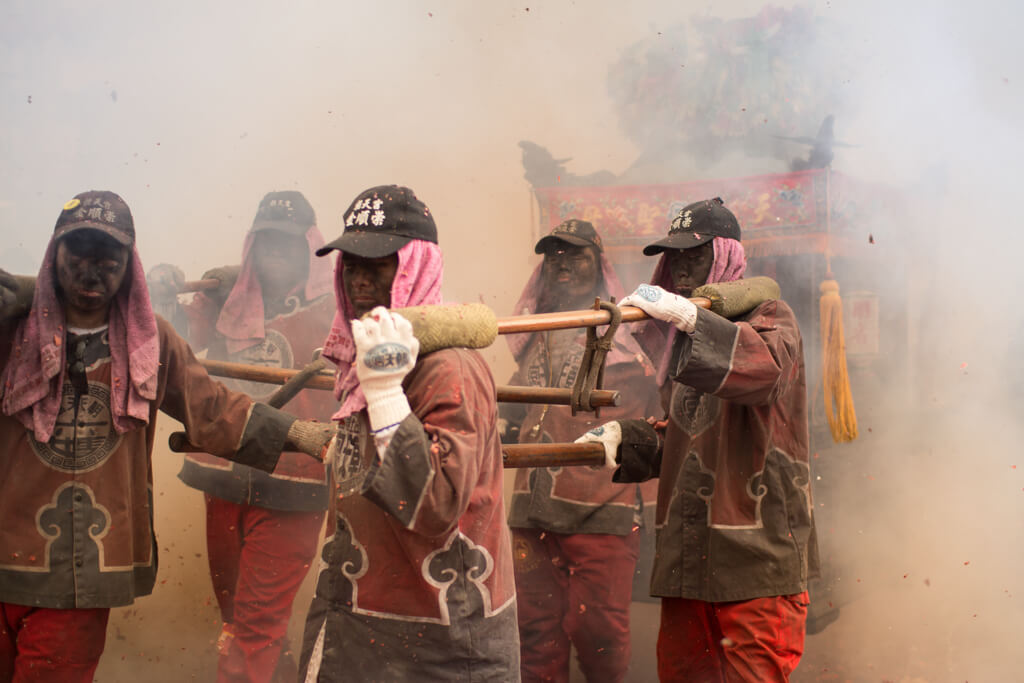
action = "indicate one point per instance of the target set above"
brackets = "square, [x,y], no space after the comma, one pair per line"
[784,213]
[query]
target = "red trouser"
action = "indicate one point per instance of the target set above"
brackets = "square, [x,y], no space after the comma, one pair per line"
[759,640]
[258,559]
[44,645]
[574,587]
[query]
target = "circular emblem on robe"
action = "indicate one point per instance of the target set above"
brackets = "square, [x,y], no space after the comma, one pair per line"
[82,439]
[273,352]
[539,372]
[693,410]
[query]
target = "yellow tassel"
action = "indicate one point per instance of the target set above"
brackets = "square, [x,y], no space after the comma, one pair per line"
[842,419]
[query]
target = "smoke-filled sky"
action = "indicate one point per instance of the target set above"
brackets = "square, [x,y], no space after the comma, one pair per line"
[193,110]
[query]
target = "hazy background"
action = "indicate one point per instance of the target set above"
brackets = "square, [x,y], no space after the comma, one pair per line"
[192,111]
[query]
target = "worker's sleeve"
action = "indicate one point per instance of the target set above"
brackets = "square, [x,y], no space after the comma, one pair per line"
[432,467]
[217,420]
[639,453]
[753,361]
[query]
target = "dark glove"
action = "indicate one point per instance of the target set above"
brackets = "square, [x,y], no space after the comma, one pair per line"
[226,277]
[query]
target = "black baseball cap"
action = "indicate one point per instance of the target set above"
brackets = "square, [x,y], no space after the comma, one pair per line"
[382,220]
[573,231]
[697,224]
[288,211]
[97,210]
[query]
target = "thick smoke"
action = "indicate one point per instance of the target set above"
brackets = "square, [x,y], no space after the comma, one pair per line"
[192,111]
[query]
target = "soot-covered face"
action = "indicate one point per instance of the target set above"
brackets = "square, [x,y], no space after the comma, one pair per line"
[368,281]
[570,275]
[91,267]
[689,268]
[281,261]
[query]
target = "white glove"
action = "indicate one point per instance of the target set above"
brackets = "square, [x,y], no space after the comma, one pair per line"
[385,353]
[664,305]
[610,436]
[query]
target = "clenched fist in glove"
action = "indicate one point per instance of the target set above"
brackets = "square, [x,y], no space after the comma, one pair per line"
[385,353]
[226,277]
[610,436]
[310,437]
[164,282]
[664,305]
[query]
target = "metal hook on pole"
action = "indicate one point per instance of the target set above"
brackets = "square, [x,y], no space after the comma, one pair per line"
[591,371]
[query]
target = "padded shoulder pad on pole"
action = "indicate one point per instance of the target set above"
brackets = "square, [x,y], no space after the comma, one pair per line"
[472,326]
[732,299]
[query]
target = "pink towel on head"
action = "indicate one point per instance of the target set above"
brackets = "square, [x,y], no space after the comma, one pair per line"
[241,319]
[657,337]
[625,348]
[417,283]
[33,378]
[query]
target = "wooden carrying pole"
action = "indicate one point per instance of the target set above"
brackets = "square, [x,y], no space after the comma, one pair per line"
[538,322]
[513,455]
[325,380]
[199,285]
[552,454]
[563,320]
